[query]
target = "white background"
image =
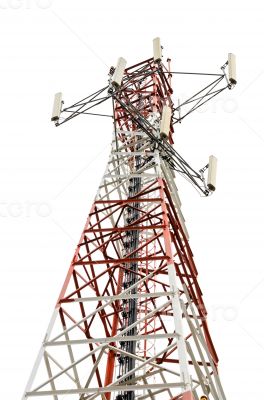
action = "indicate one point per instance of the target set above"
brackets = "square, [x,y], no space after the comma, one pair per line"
[49,176]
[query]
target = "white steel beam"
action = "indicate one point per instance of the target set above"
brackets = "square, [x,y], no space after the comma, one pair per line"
[99,390]
[111,339]
[177,314]
[40,354]
[123,296]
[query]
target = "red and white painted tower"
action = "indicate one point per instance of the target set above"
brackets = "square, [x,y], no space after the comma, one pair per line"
[130,322]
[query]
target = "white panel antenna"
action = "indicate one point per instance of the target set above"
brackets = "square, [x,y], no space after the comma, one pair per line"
[157,50]
[211,178]
[119,72]
[56,111]
[232,68]
[165,122]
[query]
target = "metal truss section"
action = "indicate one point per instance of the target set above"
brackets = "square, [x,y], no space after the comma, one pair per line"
[130,322]
[85,344]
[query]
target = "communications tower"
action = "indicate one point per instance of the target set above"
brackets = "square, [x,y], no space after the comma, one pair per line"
[130,322]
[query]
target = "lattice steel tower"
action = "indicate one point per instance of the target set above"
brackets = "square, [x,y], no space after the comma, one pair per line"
[130,321]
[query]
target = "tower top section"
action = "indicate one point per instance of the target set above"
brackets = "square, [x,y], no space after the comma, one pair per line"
[141,99]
